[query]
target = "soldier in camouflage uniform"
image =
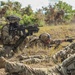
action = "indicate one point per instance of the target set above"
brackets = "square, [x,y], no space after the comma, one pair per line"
[44,40]
[67,67]
[8,35]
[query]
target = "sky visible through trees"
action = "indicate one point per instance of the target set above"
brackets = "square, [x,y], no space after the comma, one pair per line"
[36,4]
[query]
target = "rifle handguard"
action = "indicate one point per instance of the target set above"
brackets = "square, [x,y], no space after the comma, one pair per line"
[69,40]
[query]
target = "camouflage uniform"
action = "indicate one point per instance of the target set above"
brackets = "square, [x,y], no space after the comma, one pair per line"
[42,41]
[7,36]
[64,53]
[67,67]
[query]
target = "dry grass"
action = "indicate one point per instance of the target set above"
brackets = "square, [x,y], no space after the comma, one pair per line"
[58,31]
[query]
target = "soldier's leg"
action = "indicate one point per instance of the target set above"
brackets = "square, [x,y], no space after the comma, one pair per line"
[21,69]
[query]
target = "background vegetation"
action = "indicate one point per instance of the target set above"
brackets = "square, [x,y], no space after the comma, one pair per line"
[42,17]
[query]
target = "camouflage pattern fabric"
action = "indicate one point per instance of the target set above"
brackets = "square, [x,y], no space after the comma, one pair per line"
[5,33]
[33,40]
[67,67]
[7,40]
[21,69]
[42,40]
[64,53]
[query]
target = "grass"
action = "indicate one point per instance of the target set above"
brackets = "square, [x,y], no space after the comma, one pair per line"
[56,32]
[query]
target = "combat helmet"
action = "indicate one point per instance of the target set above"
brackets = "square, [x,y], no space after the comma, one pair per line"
[45,37]
[13,18]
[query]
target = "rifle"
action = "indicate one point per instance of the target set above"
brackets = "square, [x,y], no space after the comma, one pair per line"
[58,42]
[30,30]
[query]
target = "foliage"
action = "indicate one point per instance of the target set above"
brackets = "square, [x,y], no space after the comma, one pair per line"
[40,17]
[67,8]
[27,20]
[52,11]
[2,3]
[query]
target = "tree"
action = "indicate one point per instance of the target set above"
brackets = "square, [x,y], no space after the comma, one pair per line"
[40,17]
[50,13]
[27,10]
[16,6]
[3,3]
[67,8]
[59,13]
